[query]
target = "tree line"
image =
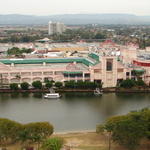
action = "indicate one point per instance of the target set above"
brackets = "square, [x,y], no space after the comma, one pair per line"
[120,34]
[124,84]
[127,130]
[131,84]
[11,132]
[49,84]
[32,133]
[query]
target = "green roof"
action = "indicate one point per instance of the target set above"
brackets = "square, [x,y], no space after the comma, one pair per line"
[142,70]
[33,61]
[86,62]
[46,60]
[93,55]
[72,72]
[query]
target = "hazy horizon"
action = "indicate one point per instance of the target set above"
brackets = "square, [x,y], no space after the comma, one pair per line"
[80,14]
[46,7]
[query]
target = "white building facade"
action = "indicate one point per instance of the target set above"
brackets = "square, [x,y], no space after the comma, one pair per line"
[56,27]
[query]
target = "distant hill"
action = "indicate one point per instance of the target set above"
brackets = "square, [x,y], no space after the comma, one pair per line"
[76,19]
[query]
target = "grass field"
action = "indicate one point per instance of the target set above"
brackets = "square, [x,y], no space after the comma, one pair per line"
[84,141]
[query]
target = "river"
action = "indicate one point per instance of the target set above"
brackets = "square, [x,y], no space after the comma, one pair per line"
[74,111]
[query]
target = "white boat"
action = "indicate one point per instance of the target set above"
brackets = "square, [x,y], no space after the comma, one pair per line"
[97,91]
[52,95]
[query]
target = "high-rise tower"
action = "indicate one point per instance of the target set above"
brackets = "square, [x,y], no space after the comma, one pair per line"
[56,27]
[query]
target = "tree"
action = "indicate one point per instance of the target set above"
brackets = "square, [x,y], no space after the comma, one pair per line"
[58,84]
[26,39]
[14,39]
[114,119]
[24,50]
[37,138]
[138,74]
[44,129]
[85,35]
[109,128]
[81,85]
[100,36]
[39,131]
[110,123]
[140,82]
[48,84]
[122,129]
[55,143]
[14,86]
[37,84]
[143,117]
[18,76]
[24,86]
[128,83]
[14,51]
[24,135]
[14,130]
[100,85]
[70,84]
[129,133]
[93,85]
[100,129]
[9,129]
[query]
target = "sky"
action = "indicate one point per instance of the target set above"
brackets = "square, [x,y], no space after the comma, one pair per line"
[54,7]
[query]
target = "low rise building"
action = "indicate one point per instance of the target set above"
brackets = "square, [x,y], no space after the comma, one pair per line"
[109,65]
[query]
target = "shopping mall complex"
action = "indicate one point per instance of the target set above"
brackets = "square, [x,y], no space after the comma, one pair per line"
[108,64]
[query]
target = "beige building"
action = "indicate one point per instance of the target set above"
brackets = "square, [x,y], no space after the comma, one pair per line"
[108,71]
[110,65]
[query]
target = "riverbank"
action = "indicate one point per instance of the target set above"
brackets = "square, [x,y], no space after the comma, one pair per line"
[83,141]
[106,90]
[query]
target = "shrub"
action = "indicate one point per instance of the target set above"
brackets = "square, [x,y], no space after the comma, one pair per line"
[14,86]
[48,84]
[140,82]
[37,84]
[55,143]
[128,83]
[58,84]
[24,86]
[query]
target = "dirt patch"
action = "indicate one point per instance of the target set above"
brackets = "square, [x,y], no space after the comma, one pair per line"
[93,141]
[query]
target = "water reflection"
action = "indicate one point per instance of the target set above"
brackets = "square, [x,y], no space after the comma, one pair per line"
[38,95]
[25,95]
[73,111]
[14,95]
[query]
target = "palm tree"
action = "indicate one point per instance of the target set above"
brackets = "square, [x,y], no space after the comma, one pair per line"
[138,74]
[109,129]
[38,138]
[24,136]
[18,77]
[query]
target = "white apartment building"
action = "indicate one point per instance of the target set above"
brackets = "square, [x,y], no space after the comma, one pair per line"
[56,27]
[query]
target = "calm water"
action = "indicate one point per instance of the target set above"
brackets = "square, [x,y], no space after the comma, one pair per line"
[72,112]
